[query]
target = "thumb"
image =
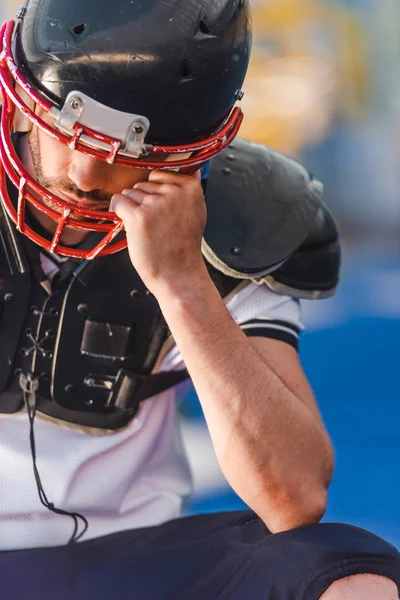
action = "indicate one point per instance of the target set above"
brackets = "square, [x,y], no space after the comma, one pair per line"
[125,204]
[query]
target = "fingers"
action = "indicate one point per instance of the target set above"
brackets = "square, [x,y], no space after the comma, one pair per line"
[161,184]
[155,188]
[174,178]
[124,205]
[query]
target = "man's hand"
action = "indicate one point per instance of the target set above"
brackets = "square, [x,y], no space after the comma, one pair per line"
[164,220]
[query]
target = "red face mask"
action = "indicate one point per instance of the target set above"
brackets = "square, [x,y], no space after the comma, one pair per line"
[75,127]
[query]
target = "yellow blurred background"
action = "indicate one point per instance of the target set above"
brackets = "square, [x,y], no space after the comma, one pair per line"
[308,64]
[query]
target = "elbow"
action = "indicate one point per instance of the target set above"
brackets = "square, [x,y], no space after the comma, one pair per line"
[315,507]
[296,503]
[305,509]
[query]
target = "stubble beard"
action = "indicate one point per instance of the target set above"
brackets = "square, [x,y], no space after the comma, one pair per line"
[55,184]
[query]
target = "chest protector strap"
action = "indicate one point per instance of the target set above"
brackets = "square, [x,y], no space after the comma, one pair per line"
[15,286]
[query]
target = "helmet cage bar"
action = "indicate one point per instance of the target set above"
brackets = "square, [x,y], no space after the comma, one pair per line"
[88,141]
[21,206]
[19,176]
[23,182]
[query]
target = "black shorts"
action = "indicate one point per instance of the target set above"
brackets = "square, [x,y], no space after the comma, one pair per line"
[207,557]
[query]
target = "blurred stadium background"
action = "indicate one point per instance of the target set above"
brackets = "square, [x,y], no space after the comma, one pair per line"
[324,86]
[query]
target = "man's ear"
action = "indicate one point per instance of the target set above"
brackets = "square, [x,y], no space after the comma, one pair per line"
[21,123]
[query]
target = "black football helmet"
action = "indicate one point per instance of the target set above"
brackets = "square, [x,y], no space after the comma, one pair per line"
[122,82]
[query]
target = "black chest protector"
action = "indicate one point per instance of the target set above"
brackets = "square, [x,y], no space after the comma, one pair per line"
[92,344]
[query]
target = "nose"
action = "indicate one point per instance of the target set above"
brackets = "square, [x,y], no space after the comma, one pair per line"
[86,172]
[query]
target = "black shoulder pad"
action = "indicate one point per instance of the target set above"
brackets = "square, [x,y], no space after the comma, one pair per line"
[261,206]
[313,270]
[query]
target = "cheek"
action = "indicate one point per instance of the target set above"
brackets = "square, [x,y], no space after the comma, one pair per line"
[54,156]
[127,177]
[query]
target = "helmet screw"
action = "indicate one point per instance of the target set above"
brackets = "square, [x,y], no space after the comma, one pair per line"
[235,251]
[8,297]
[75,104]
[239,95]
[82,308]
[139,129]
[226,171]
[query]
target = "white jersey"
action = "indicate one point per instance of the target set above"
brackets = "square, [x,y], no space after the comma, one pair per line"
[132,478]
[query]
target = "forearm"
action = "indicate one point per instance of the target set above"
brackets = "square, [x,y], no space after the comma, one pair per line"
[271,447]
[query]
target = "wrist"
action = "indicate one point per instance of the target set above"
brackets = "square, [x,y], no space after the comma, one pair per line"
[184,288]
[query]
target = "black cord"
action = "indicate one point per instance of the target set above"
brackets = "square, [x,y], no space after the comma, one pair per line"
[29,386]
